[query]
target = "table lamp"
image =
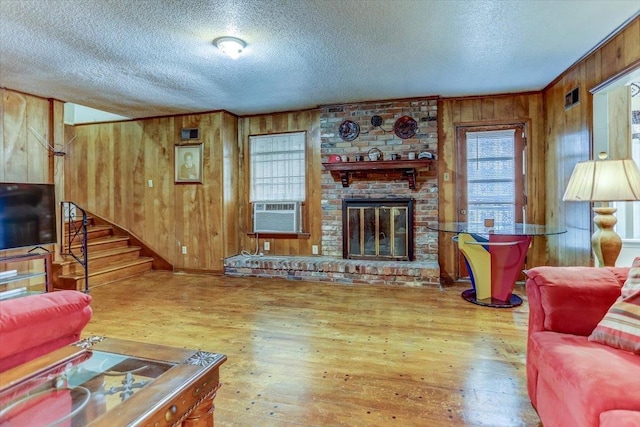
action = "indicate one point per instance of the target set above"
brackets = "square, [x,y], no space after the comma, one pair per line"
[604,181]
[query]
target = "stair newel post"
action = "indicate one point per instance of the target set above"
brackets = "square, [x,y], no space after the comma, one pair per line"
[77,234]
[61,233]
[64,238]
[85,251]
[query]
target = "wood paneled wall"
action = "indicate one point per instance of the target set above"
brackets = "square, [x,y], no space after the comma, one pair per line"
[25,122]
[26,128]
[308,121]
[569,138]
[490,110]
[109,166]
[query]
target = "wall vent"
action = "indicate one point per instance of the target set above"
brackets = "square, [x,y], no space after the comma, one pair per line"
[571,98]
[190,134]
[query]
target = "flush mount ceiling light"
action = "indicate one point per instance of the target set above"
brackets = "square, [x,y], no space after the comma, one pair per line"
[231,46]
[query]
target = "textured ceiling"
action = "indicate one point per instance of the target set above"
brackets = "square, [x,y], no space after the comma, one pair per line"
[143,58]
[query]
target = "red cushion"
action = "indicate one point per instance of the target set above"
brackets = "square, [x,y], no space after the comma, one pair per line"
[590,378]
[566,296]
[34,321]
[620,418]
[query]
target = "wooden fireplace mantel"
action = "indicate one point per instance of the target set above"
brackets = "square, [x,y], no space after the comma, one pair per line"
[407,167]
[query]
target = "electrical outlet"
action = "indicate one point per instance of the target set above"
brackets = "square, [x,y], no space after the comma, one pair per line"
[267,246]
[184,250]
[314,249]
[150,183]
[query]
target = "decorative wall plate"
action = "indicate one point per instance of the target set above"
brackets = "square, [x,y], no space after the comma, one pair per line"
[349,130]
[405,127]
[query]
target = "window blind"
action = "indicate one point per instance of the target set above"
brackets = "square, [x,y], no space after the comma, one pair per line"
[491,176]
[277,165]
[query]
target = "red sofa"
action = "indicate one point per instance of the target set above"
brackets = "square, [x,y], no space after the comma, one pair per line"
[35,325]
[572,381]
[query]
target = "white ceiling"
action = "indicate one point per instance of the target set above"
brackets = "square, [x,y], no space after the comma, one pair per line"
[142,58]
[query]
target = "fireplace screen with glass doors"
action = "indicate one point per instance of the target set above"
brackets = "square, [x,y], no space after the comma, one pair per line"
[380,229]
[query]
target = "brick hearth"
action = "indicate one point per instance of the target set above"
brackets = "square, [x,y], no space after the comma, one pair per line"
[338,270]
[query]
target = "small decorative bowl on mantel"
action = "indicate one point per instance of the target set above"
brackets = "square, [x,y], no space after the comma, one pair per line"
[374,154]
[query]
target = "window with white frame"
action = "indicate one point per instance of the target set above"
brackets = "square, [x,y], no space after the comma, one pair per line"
[492,178]
[628,215]
[278,167]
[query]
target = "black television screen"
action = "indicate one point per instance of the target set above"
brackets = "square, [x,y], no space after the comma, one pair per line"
[27,215]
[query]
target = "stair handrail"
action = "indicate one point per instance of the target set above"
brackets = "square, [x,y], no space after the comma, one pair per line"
[76,232]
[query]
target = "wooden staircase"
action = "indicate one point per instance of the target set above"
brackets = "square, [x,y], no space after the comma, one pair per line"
[111,256]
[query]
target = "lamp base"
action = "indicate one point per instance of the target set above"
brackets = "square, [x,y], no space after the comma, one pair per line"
[605,242]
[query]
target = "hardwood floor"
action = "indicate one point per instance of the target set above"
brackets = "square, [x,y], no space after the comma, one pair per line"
[319,354]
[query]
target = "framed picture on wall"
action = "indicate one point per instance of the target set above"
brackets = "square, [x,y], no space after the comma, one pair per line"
[188,164]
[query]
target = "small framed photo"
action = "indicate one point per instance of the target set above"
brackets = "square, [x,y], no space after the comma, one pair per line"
[188,164]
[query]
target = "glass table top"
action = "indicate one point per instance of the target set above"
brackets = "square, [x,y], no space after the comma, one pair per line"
[79,390]
[498,229]
[106,382]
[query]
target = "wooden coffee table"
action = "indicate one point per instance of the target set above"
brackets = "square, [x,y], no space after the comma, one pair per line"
[110,382]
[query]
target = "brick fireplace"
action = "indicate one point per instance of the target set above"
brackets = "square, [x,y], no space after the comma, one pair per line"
[421,269]
[381,185]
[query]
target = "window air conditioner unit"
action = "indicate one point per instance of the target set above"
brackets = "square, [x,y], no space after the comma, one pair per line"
[276,217]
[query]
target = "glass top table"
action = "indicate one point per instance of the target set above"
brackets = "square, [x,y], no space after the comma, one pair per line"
[101,381]
[494,255]
[499,229]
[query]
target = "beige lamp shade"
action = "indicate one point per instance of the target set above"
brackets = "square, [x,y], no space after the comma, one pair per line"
[604,181]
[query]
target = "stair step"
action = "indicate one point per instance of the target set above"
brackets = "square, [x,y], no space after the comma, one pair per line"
[77,223]
[101,258]
[93,232]
[106,274]
[103,243]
